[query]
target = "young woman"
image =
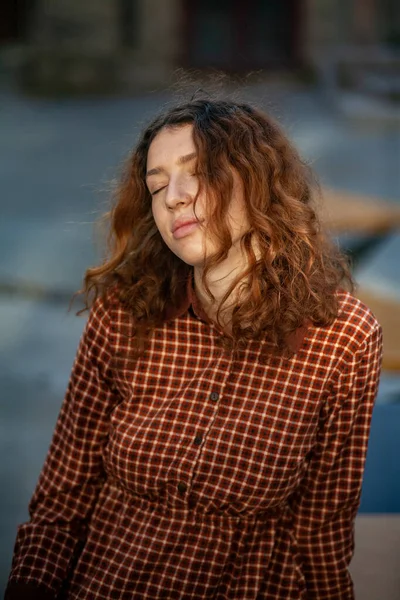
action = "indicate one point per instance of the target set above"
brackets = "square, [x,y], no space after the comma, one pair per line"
[212,440]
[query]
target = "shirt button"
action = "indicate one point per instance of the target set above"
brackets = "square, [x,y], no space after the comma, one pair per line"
[198,439]
[182,487]
[214,396]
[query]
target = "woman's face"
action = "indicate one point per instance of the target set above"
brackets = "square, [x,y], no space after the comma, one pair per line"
[172,181]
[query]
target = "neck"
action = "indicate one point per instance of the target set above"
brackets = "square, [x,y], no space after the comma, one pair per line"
[219,281]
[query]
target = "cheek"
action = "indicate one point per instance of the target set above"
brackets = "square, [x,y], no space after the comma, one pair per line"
[237,210]
[200,206]
[237,216]
[157,216]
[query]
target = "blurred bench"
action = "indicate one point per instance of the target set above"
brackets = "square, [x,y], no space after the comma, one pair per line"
[344,212]
[387,311]
[379,276]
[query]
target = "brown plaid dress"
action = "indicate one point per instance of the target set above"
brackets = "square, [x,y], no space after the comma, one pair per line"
[190,473]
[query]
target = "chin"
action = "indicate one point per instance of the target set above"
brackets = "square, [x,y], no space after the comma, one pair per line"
[193,262]
[193,257]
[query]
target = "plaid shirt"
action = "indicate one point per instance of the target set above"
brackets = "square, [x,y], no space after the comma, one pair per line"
[190,473]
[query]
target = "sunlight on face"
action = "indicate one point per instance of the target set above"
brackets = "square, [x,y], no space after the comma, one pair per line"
[172,181]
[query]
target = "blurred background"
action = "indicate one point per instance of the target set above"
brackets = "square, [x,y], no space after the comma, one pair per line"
[78,80]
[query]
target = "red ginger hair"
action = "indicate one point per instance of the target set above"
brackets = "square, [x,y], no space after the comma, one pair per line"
[294,280]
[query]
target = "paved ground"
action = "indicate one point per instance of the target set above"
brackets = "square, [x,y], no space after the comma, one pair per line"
[55,161]
[375,567]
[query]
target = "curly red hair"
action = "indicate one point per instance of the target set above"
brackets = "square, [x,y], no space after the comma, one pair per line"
[294,279]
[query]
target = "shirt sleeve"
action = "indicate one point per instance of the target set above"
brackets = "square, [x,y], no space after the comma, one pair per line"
[325,506]
[72,475]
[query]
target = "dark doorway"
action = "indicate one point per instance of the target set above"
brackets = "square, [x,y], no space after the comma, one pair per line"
[237,35]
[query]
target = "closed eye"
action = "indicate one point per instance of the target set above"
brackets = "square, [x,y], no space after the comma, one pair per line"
[158,190]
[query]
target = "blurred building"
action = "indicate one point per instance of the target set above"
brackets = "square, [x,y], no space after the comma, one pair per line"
[128,44]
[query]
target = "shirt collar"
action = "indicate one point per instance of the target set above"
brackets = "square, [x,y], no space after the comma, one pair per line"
[189,301]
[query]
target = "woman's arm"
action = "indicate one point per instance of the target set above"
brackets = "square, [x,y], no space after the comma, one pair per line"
[72,475]
[325,506]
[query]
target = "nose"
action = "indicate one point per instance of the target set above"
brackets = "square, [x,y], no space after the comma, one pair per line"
[178,194]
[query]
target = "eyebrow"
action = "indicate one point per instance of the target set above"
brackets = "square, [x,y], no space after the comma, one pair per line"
[181,161]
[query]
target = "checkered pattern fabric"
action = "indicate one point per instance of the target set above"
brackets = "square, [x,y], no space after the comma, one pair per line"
[190,473]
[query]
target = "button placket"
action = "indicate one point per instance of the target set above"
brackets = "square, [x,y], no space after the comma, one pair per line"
[189,462]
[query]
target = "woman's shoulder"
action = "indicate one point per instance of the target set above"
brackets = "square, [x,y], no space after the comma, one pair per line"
[350,330]
[107,310]
[354,314]
[353,327]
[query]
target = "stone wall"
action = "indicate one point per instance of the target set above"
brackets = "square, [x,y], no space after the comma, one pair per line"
[73,47]
[77,46]
[158,46]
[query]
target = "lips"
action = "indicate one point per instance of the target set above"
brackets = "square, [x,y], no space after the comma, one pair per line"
[182,222]
[184,226]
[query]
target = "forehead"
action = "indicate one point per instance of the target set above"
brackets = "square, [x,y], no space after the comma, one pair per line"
[169,144]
